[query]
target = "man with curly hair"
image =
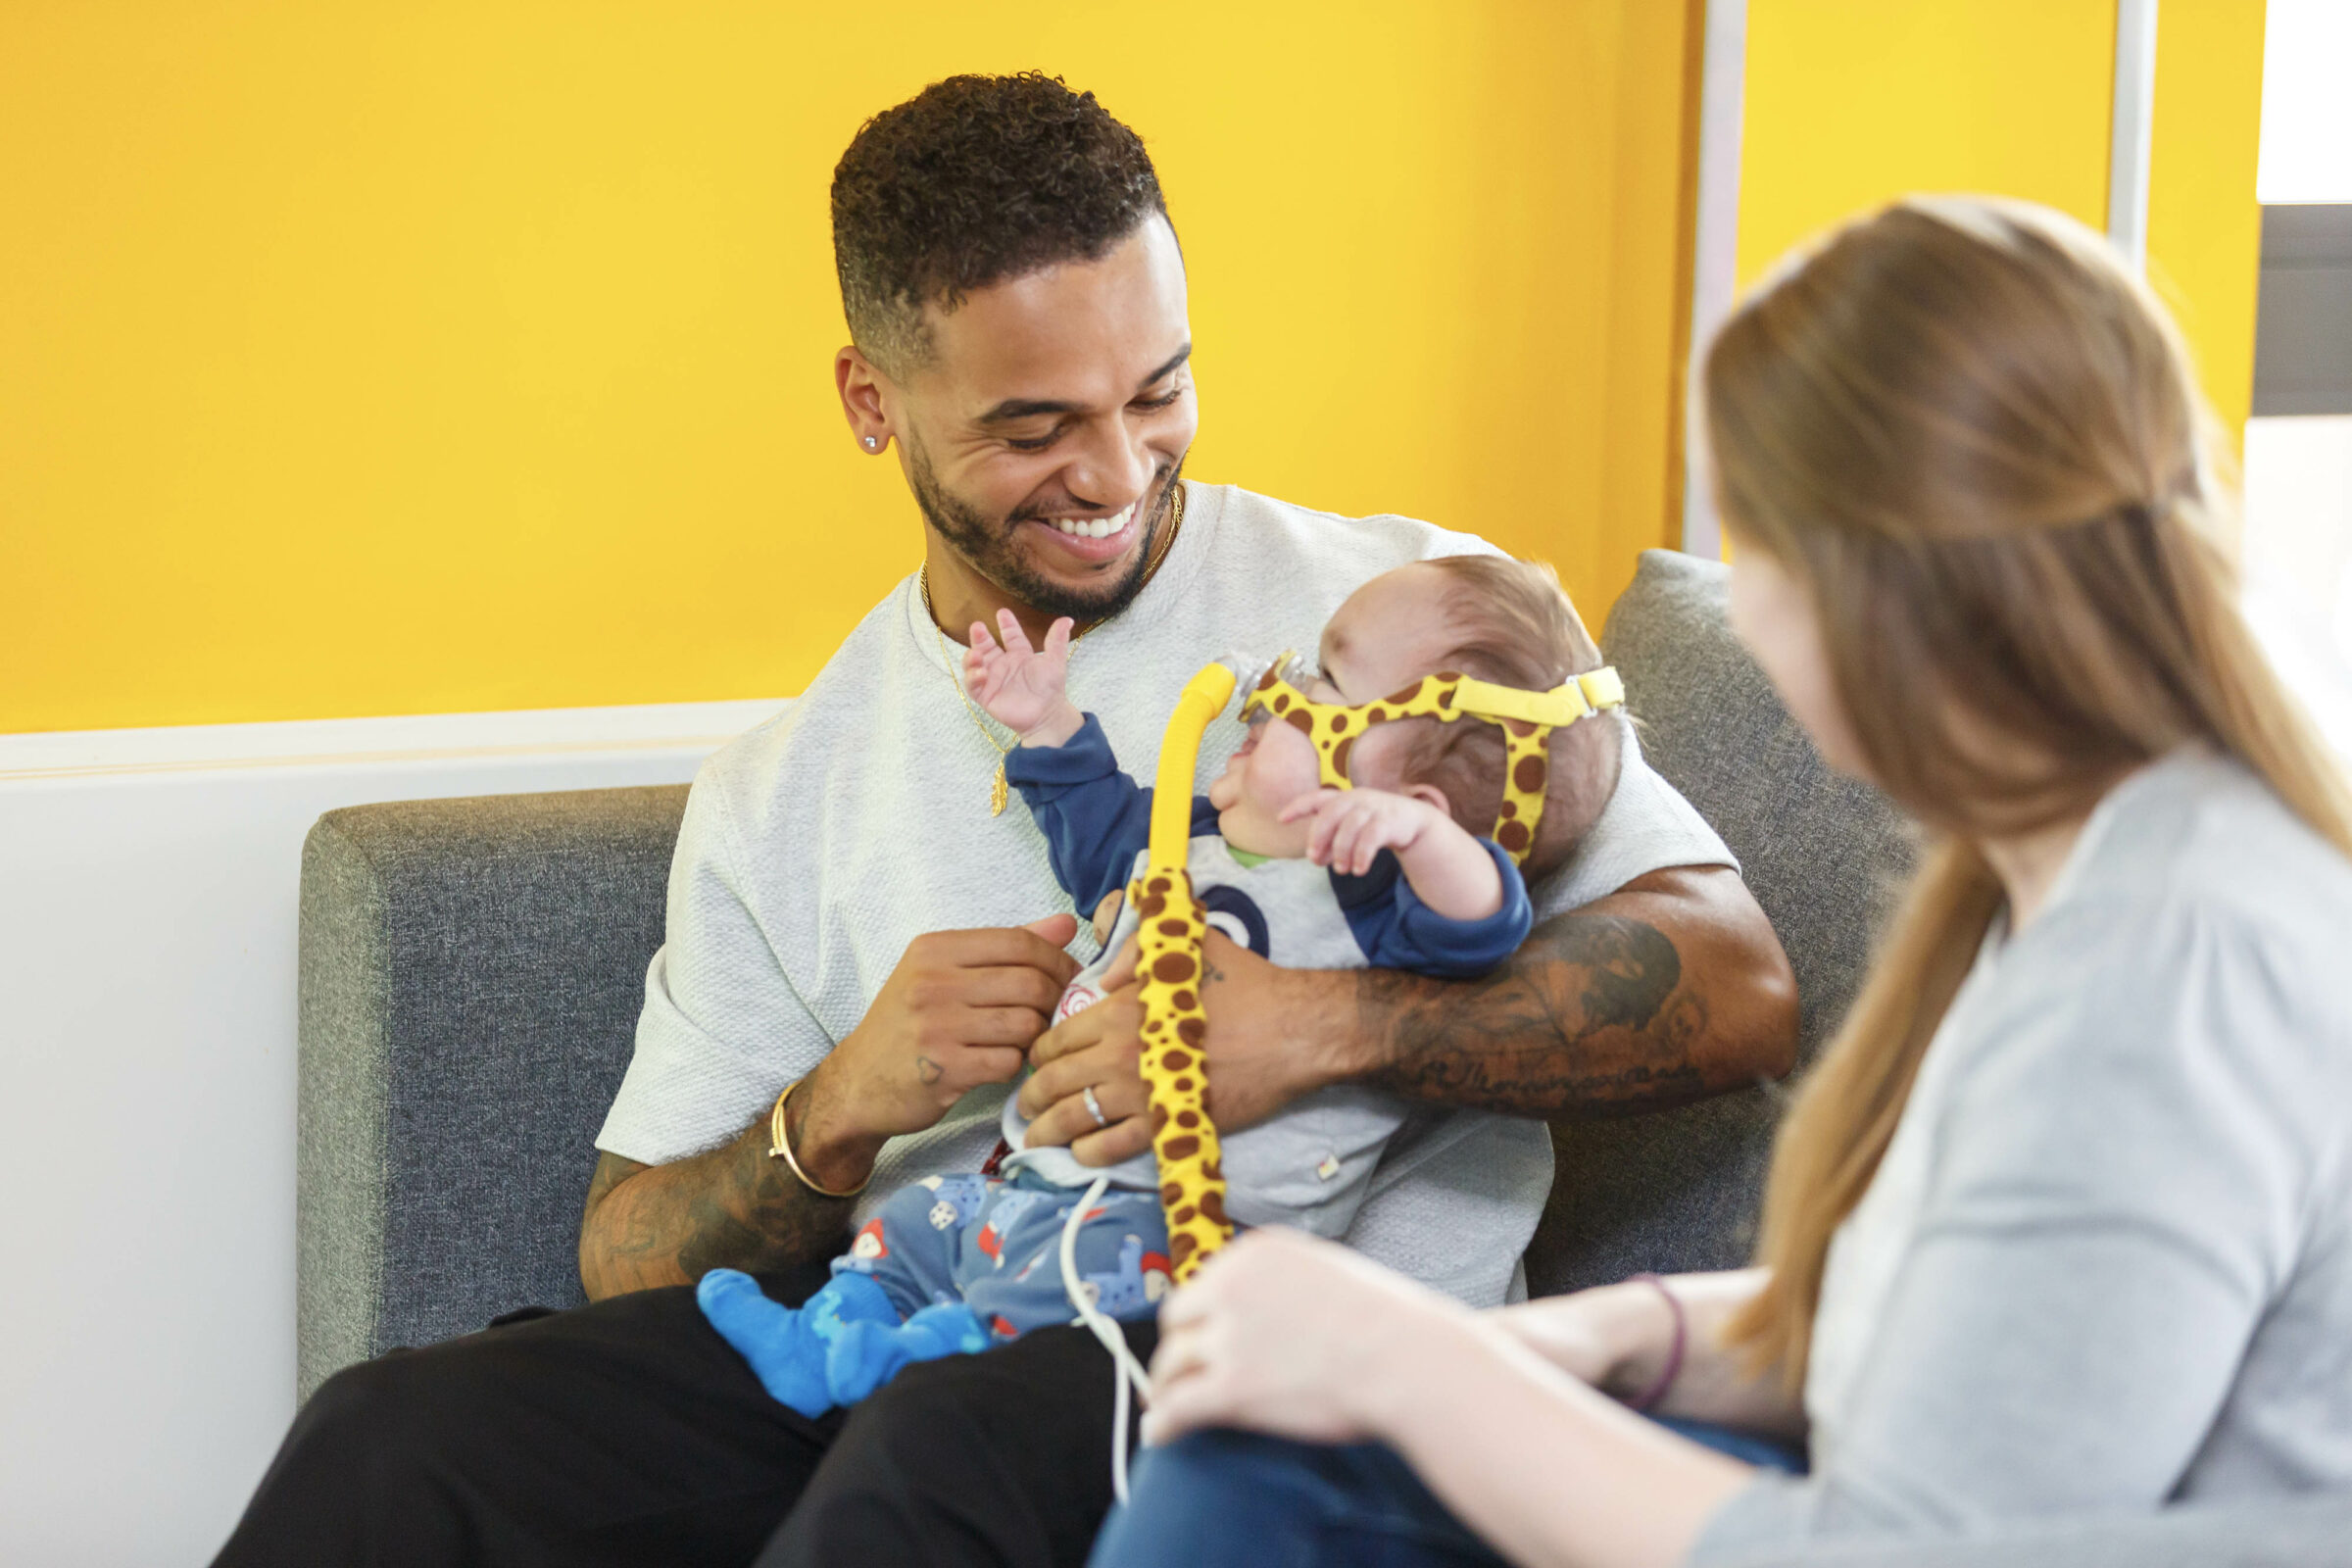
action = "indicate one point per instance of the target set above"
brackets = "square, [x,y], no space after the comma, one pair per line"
[864,948]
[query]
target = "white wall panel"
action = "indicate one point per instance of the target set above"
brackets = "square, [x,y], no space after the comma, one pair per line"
[147,953]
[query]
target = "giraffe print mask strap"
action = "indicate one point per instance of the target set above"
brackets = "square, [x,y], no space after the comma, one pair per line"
[1526,721]
[1526,718]
[1579,697]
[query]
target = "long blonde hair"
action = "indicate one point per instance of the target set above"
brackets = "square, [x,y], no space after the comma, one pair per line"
[1975,438]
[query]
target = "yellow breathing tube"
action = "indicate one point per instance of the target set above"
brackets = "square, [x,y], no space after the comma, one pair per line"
[1169,929]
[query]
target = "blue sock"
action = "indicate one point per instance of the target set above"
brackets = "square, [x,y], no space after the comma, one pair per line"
[863,1357]
[785,1345]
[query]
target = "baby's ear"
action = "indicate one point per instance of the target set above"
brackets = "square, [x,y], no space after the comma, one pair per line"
[1429,795]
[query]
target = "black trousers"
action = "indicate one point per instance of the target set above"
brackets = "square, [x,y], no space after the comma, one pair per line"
[628,1433]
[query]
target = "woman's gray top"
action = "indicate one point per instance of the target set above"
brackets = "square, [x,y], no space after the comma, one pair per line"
[2112,1266]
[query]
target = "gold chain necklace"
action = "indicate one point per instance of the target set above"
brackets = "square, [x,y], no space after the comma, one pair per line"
[1000,790]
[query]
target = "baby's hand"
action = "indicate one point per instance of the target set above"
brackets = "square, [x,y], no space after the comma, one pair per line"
[1352,826]
[1020,687]
[1107,914]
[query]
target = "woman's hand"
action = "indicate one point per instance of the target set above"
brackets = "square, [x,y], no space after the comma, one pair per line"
[1616,1338]
[1023,688]
[1620,1338]
[1287,1334]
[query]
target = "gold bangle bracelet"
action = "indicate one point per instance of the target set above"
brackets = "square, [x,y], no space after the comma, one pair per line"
[779,1147]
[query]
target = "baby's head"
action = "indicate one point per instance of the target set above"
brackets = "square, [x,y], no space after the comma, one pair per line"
[1501,620]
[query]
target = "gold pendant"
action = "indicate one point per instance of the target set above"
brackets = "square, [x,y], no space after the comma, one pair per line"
[1000,794]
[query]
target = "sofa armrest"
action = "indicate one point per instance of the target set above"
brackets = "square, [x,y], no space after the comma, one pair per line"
[472,971]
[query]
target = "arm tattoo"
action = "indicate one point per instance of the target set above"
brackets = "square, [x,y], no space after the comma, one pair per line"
[764,1219]
[733,1208]
[1591,1016]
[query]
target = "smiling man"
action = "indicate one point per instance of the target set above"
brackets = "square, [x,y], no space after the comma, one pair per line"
[864,948]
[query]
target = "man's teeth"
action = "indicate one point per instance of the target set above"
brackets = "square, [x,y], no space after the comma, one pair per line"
[1093,527]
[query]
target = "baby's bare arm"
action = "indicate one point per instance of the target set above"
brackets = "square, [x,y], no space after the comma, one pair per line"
[1449,870]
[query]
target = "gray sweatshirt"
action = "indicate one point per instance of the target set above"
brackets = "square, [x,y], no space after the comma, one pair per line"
[2107,1261]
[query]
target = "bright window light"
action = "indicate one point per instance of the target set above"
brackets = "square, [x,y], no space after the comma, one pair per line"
[2306,108]
[2298,558]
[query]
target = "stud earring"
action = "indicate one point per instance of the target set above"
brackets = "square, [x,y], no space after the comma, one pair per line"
[871,444]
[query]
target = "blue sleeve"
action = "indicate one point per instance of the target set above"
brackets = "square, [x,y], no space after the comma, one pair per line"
[1095,819]
[1398,931]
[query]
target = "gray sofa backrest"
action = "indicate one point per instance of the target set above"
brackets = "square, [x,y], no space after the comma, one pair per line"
[1678,1189]
[472,972]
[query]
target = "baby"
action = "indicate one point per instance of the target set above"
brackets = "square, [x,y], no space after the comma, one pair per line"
[1417,865]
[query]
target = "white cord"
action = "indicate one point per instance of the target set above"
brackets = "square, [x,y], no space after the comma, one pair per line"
[1127,1369]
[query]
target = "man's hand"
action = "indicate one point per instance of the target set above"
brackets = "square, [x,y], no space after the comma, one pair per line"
[1257,1063]
[958,1011]
[955,1012]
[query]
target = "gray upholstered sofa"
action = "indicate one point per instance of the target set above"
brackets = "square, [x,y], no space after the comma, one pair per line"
[472,971]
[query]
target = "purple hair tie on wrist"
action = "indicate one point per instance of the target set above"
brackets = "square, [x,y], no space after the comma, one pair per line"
[1650,1396]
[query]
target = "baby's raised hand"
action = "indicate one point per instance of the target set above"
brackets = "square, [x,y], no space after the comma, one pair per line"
[1020,687]
[1350,826]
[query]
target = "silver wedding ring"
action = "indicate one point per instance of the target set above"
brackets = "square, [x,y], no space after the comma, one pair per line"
[1093,1107]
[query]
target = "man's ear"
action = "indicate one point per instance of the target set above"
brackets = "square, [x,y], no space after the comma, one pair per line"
[866,397]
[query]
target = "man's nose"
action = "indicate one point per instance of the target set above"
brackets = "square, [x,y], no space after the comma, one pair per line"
[1111,466]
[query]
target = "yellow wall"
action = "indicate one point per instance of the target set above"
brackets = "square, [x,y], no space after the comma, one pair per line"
[1853,102]
[419,357]
[2204,225]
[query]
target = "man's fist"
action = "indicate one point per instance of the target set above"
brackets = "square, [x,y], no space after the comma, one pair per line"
[960,1010]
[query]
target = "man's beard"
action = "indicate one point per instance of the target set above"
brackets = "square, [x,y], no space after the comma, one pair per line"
[987,548]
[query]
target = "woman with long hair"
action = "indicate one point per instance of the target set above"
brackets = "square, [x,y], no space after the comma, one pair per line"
[2062,1221]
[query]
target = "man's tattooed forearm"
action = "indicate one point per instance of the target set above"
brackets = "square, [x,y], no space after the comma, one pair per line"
[762,1219]
[1589,1016]
[731,1209]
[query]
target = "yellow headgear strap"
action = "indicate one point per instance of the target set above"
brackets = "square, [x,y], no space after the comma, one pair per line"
[1526,718]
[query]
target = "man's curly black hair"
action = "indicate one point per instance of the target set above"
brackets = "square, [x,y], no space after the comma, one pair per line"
[973,180]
